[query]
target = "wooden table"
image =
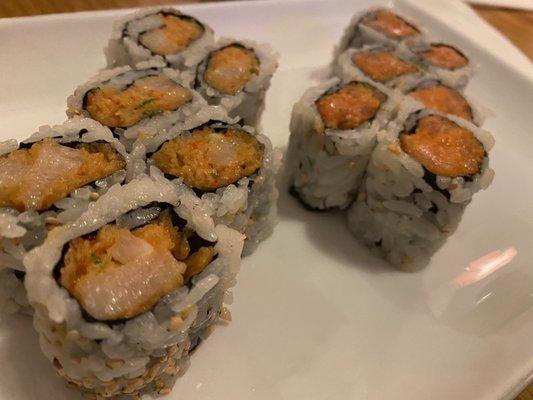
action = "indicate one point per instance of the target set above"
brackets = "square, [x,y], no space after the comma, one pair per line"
[516,25]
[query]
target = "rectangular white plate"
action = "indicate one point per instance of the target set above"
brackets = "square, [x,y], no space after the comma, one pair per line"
[315,315]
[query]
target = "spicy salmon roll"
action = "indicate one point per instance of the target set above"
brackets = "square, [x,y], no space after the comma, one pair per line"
[434,95]
[421,176]
[49,180]
[136,104]
[379,63]
[163,35]
[232,170]
[446,63]
[380,26]
[333,131]
[123,294]
[236,76]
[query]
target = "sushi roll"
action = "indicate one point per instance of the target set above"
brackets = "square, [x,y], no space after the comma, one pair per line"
[230,167]
[236,75]
[432,94]
[123,294]
[421,176]
[136,104]
[49,180]
[446,63]
[379,63]
[333,131]
[380,26]
[162,35]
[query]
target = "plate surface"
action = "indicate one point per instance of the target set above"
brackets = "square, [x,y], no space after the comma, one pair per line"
[315,315]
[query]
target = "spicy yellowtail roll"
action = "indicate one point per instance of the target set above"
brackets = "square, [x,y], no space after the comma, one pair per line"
[162,35]
[231,168]
[379,63]
[123,294]
[432,94]
[136,104]
[446,63]
[333,131]
[49,180]
[422,174]
[380,26]
[236,75]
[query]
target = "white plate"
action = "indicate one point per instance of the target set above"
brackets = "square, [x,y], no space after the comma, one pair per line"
[316,316]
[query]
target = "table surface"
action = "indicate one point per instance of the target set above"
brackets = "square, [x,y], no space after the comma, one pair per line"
[516,25]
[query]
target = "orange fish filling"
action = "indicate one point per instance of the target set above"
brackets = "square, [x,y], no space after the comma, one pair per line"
[146,97]
[230,68]
[382,66]
[445,100]
[118,274]
[443,147]
[390,25]
[176,34]
[350,106]
[37,177]
[207,159]
[443,56]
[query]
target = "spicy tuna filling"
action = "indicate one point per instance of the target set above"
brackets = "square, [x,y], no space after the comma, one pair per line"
[230,68]
[443,147]
[146,97]
[444,56]
[445,100]
[207,159]
[175,35]
[34,178]
[118,273]
[390,25]
[382,66]
[350,106]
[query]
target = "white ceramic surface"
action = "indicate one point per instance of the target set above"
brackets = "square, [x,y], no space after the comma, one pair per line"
[315,315]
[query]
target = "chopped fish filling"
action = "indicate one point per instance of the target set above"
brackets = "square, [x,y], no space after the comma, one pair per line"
[382,66]
[350,106]
[443,56]
[37,177]
[207,159]
[390,25]
[445,100]
[118,274]
[175,35]
[443,147]
[146,97]
[230,68]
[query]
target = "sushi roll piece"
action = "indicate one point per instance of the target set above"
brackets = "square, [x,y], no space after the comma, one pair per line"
[236,75]
[333,131]
[136,104]
[381,64]
[446,63]
[231,168]
[380,26]
[49,180]
[421,176]
[123,294]
[162,35]
[432,94]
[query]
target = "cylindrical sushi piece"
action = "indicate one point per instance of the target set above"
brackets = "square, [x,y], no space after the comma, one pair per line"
[49,180]
[422,174]
[163,35]
[333,131]
[236,75]
[434,95]
[136,104]
[445,62]
[380,26]
[124,293]
[231,168]
[379,63]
